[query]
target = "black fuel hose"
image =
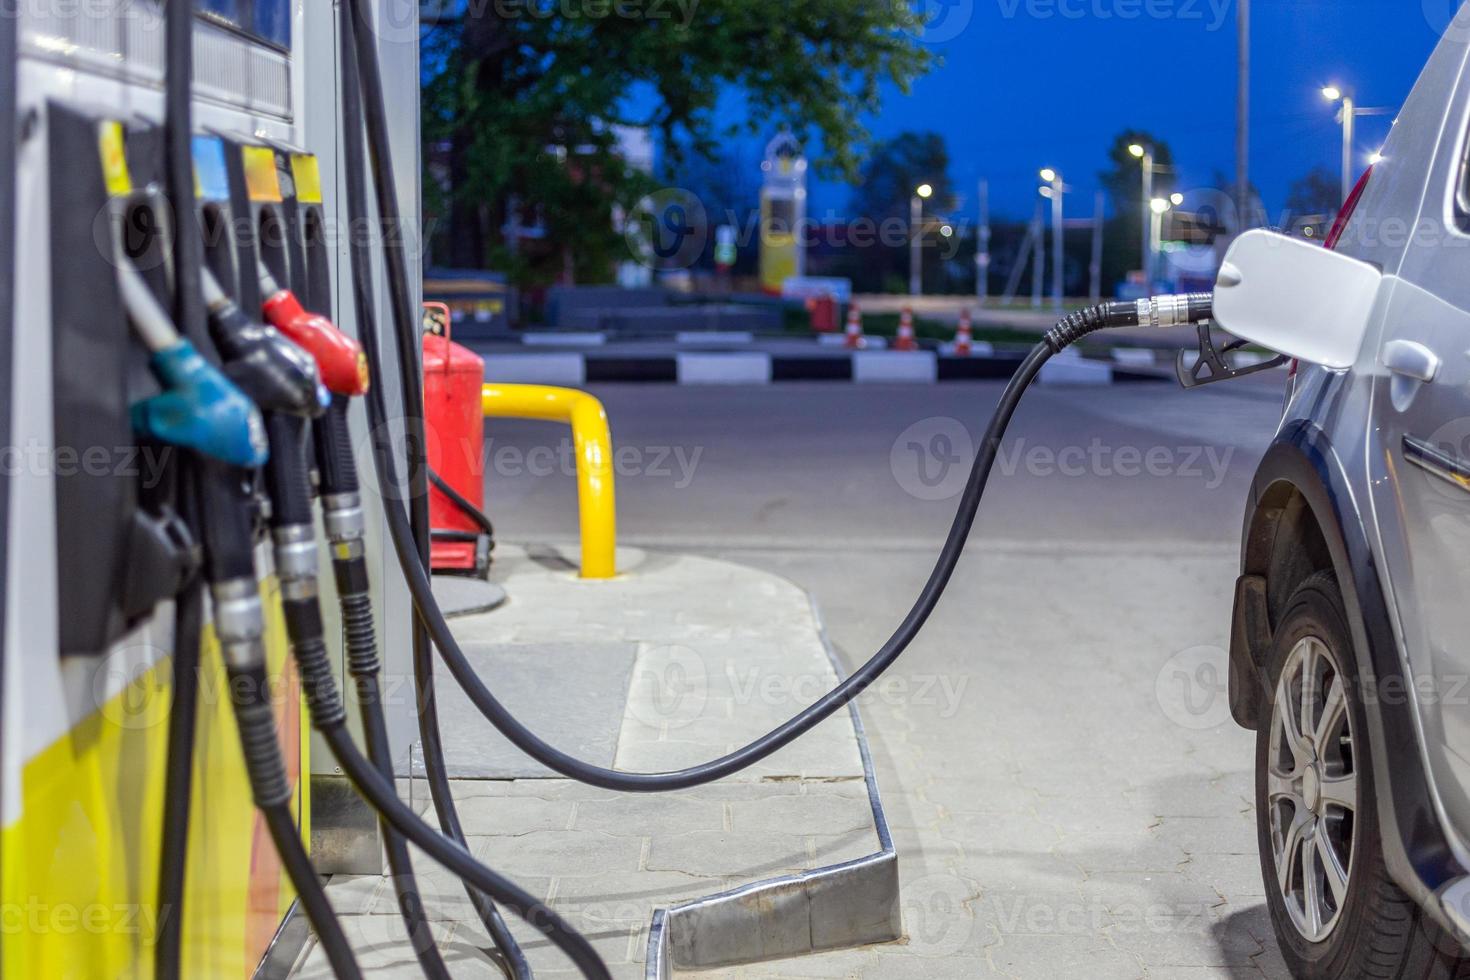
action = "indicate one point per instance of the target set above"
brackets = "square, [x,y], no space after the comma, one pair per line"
[409,541]
[463,505]
[1161,311]
[339,448]
[229,560]
[363,106]
[255,714]
[382,795]
[296,549]
[179,784]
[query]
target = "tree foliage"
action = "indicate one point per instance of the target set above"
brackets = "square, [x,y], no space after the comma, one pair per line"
[522,97]
[1319,192]
[895,168]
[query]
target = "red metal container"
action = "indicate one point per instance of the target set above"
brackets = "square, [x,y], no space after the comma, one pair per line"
[455,426]
[823,310]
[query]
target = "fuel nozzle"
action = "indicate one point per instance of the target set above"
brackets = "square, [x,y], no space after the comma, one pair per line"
[341,360]
[1154,311]
[274,371]
[199,408]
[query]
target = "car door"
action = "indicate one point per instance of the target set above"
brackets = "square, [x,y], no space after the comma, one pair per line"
[1418,468]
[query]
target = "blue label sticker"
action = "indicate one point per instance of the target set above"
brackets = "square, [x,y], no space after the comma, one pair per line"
[209,168]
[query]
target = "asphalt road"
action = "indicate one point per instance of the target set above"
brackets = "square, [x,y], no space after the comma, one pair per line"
[823,464]
[1067,792]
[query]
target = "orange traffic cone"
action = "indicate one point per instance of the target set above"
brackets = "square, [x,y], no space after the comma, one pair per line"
[855,339]
[964,335]
[906,339]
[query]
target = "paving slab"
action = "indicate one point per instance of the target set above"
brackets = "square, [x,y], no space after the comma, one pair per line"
[676,661]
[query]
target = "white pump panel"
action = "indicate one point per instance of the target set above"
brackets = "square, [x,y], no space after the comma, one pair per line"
[1296,298]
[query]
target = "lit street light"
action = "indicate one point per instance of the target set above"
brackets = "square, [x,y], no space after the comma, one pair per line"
[1055,194]
[1348,115]
[916,233]
[1146,155]
[1176,199]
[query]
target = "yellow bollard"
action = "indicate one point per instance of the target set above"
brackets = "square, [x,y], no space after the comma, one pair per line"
[596,497]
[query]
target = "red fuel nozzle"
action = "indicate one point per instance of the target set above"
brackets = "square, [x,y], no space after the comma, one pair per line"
[341,360]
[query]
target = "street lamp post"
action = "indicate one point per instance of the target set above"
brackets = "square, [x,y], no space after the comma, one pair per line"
[1158,207]
[1056,190]
[982,246]
[1349,115]
[916,234]
[1146,155]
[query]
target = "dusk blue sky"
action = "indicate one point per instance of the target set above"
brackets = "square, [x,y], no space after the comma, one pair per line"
[1032,83]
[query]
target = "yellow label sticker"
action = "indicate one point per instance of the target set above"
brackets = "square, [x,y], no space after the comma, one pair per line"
[114,159]
[261,179]
[308,175]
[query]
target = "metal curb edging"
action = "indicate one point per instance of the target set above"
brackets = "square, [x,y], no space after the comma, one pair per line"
[855,903]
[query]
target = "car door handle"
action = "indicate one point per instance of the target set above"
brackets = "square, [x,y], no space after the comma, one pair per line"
[1409,359]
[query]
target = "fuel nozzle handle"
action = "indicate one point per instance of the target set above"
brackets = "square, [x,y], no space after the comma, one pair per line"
[199,408]
[341,360]
[274,371]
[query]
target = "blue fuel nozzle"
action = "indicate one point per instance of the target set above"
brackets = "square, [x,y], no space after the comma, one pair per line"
[200,409]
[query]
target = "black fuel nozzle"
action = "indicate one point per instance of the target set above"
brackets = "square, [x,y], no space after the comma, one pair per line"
[277,374]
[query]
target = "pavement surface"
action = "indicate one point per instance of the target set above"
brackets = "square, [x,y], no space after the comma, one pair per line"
[660,668]
[1067,793]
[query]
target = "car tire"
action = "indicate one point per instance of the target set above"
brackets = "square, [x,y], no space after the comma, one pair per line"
[1336,912]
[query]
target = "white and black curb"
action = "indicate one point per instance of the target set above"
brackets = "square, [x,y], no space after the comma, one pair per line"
[759,368]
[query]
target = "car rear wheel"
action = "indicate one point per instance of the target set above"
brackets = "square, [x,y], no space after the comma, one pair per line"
[1335,911]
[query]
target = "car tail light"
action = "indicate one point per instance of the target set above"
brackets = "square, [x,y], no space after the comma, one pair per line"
[1349,206]
[1339,226]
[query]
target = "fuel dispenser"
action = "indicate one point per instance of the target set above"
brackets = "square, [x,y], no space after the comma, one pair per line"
[116,406]
[207,828]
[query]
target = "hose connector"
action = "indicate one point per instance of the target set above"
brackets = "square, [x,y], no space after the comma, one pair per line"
[296,560]
[1175,310]
[343,518]
[239,622]
[1155,311]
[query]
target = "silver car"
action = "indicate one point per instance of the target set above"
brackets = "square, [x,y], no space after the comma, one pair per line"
[1350,649]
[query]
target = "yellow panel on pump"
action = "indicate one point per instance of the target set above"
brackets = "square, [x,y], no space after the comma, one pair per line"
[79,868]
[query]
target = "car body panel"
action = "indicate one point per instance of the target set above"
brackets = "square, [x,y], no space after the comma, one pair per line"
[1399,536]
